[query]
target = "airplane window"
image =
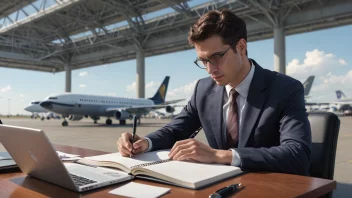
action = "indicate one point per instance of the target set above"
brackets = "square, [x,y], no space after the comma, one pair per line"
[52,98]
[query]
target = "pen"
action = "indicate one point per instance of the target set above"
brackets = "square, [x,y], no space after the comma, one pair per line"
[134,131]
[226,191]
[195,133]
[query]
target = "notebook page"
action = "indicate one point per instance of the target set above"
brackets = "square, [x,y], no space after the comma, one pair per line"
[134,189]
[135,160]
[195,173]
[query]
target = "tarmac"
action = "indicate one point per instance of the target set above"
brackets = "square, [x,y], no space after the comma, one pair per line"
[86,134]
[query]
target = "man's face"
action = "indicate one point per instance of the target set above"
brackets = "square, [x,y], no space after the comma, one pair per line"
[230,68]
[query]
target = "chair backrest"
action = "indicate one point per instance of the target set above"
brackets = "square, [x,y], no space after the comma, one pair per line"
[325,128]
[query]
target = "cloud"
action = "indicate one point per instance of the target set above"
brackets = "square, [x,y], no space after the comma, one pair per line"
[131,87]
[184,92]
[6,89]
[331,73]
[315,62]
[152,84]
[149,86]
[83,74]
[343,62]
[82,86]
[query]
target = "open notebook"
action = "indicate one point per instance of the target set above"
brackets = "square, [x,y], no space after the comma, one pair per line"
[156,166]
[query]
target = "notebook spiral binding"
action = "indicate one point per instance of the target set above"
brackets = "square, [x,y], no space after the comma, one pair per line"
[150,163]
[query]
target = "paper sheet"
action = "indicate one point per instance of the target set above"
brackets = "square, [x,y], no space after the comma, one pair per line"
[67,157]
[134,189]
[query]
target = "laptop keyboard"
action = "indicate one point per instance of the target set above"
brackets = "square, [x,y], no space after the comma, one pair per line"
[81,181]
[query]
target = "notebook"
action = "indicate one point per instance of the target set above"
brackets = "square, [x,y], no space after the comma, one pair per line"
[157,166]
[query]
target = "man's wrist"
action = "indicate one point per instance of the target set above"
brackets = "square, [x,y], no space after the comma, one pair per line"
[223,157]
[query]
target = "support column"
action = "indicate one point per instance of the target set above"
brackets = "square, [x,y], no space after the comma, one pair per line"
[140,74]
[68,78]
[279,49]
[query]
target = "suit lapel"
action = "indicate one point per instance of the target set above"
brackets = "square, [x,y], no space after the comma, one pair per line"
[215,107]
[256,97]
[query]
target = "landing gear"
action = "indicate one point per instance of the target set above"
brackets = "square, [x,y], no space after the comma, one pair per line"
[109,121]
[122,122]
[139,120]
[95,121]
[64,123]
[42,118]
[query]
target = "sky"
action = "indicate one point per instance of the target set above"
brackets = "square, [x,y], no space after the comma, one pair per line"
[327,54]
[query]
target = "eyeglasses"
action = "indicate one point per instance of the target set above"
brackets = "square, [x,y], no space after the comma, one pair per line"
[215,59]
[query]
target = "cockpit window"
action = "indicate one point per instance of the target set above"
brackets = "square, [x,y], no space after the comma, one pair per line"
[52,98]
[35,102]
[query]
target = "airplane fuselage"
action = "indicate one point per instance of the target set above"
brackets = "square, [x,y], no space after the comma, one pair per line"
[81,104]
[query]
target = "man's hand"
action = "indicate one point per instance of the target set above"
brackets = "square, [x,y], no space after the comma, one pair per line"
[192,150]
[124,144]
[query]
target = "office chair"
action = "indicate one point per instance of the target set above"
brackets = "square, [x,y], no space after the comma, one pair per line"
[325,128]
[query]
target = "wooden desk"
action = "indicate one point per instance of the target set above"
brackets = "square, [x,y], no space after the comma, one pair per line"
[16,184]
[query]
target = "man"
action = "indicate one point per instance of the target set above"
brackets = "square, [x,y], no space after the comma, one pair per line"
[252,117]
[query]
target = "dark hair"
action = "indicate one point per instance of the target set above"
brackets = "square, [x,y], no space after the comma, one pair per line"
[223,23]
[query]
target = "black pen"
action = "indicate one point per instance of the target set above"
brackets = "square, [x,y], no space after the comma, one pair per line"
[134,131]
[195,133]
[226,191]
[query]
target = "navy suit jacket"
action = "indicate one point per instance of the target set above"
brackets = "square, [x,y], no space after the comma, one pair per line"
[275,133]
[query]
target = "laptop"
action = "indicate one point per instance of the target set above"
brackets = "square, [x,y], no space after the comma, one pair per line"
[36,157]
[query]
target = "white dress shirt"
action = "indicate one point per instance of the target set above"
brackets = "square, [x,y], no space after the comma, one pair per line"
[242,89]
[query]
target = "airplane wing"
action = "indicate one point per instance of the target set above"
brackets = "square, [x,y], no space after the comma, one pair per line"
[138,109]
[172,101]
[342,102]
[317,103]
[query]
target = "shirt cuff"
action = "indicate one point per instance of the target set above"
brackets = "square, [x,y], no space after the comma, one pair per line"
[150,145]
[236,160]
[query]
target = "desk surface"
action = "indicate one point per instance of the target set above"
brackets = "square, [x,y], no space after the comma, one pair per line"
[16,184]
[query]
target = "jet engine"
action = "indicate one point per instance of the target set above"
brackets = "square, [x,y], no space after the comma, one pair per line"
[75,117]
[122,115]
[169,109]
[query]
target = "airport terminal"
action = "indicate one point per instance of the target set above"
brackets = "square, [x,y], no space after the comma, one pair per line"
[66,137]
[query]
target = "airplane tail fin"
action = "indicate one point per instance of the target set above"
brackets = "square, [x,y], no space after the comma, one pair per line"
[160,94]
[340,94]
[308,85]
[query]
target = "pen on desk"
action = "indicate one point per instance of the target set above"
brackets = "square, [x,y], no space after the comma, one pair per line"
[134,131]
[195,133]
[226,191]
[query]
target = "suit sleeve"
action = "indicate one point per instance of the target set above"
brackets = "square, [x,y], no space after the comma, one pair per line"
[180,128]
[293,154]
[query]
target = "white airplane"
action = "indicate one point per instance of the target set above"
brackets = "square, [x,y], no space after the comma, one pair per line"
[342,103]
[77,106]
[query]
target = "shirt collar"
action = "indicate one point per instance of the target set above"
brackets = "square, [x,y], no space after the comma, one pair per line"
[243,87]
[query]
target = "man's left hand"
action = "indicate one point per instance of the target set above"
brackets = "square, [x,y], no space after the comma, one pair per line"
[192,150]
